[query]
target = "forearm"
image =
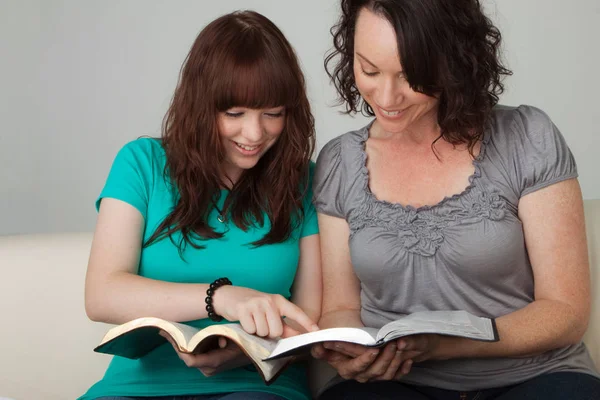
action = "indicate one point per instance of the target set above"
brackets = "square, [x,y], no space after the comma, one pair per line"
[309,303]
[341,318]
[541,326]
[124,296]
[312,314]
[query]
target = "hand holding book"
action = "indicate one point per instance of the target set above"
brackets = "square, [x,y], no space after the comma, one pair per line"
[362,363]
[227,355]
[390,362]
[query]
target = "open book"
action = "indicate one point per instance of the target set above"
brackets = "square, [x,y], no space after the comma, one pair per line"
[450,323]
[138,337]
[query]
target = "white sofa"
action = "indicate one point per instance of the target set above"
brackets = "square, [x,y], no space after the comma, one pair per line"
[46,339]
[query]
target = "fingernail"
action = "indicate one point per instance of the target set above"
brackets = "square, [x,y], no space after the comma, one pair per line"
[315,328]
[398,353]
[328,345]
[374,354]
[393,346]
[402,345]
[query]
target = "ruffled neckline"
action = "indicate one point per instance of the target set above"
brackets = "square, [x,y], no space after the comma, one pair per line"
[364,174]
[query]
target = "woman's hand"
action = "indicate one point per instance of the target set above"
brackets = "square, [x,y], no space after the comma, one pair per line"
[260,313]
[363,364]
[420,347]
[227,356]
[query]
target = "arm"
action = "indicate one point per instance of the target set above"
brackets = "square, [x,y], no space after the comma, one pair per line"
[553,223]
[114,293]
[341,307]
[307,291]
[341,287]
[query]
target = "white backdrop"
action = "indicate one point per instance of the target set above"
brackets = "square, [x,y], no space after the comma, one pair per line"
[78,79]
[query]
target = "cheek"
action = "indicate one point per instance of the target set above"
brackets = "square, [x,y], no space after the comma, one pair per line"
[274,128]
[366,87]
[227,129]
[426,101]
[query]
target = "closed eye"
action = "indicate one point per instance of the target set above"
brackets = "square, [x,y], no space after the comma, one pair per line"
[233,114]
[369,73]
[274,115]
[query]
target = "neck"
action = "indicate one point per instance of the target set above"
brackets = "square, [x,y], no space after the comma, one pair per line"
[230,175]
[424,129]
[422,133]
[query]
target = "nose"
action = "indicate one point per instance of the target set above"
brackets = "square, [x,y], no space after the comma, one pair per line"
[390,93]
[253,130]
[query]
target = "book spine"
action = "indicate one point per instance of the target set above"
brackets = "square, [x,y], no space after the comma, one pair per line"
[495,329]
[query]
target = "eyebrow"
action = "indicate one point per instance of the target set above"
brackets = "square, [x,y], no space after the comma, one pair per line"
[367,60]
[373,65]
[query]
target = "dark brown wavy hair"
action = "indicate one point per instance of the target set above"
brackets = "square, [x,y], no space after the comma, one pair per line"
[239,60]
[447,48]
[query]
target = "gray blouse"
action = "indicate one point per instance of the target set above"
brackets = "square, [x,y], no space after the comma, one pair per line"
[465,253]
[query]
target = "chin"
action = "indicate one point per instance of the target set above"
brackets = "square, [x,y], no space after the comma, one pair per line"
[391,127]
[247,164]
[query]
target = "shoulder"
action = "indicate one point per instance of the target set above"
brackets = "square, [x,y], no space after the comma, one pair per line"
[145,154]
[311,169]
[349,142]
[133,173]
[306,184]
[523,130]
[345,150]
[140,160]
[339,164]
[530,148]
[518,123]
[144,147]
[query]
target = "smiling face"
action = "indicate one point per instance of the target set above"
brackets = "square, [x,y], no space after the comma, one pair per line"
[380,80]
[247,134]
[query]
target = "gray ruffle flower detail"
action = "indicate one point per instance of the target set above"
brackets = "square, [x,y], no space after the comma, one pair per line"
[421,230]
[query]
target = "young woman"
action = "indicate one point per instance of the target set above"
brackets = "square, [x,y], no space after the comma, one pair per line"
[225,193]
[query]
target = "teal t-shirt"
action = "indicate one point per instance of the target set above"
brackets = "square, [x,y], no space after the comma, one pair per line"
[137,178]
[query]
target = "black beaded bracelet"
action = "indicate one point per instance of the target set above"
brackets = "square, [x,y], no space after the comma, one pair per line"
[209,293]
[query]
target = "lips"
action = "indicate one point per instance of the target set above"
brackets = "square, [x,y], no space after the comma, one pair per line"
[393,114]
[247,150]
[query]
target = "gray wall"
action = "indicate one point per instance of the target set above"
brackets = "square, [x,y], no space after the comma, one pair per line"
[78,79]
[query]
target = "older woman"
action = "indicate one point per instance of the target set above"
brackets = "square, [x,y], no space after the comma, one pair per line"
[447,201]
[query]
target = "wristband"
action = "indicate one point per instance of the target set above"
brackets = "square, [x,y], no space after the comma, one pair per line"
[209,293]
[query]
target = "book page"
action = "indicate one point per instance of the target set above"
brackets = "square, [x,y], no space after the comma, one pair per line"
[293,345]
[136,338]
[255,347]
[257,344]
[453,323]
[187,333]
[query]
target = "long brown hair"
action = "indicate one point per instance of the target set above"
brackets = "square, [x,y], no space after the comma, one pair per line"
[448,49]
[239,60]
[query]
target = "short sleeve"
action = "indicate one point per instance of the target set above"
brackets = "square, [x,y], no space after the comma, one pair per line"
[130,176]
[328,180]
[542,154]
[310,224]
